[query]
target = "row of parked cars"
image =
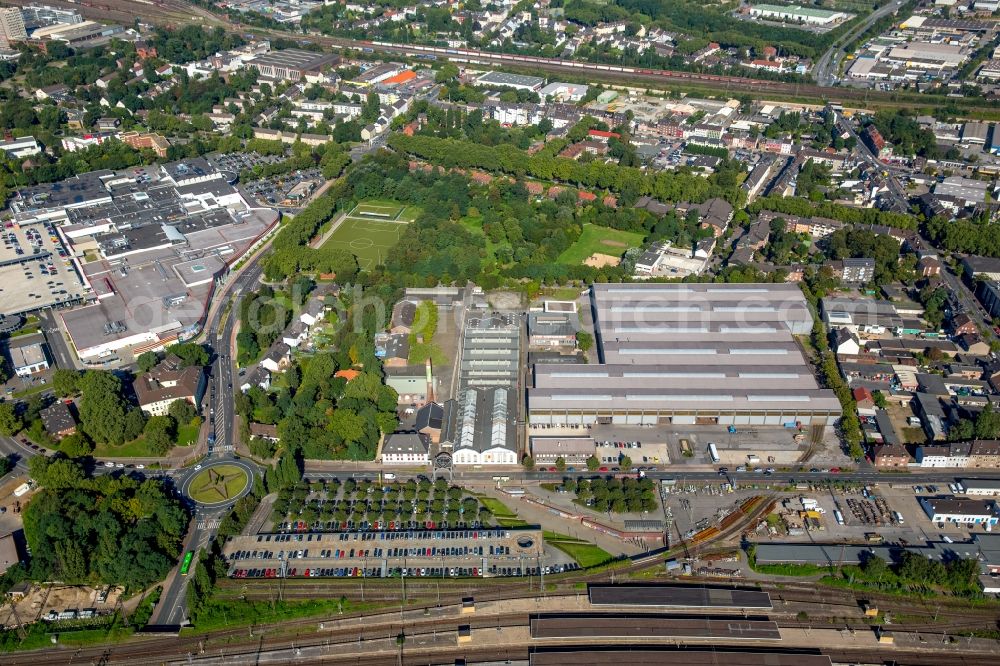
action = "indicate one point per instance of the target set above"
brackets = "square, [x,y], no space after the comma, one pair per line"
[417,572]
[376,525]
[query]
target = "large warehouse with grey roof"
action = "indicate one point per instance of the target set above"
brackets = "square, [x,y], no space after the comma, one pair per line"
[688,354]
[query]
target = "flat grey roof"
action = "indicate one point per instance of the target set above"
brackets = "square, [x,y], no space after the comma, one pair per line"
[72,191]
[696,347]
[789,401]
[562,446]
[650,626]
[688,656]
[295,59]
[505,79]
[677,596]
[736,352]
[985,484]
[667,376]
[836,554]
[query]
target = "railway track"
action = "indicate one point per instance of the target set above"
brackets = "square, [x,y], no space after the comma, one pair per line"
[349,629]
[173,13]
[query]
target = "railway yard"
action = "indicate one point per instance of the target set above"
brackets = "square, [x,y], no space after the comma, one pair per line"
[448,620]
[177,12]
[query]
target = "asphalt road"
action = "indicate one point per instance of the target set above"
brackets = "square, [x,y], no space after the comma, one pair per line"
[900,199]
[869,475]
[969,302]
[56,342]
[172,609]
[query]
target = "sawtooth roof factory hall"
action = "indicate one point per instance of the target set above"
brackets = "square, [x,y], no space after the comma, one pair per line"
[688,354]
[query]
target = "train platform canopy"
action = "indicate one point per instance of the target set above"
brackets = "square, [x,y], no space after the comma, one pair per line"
[677,596]
[649,627]
[689,656]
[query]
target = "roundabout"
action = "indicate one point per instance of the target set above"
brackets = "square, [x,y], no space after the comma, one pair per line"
[219,483]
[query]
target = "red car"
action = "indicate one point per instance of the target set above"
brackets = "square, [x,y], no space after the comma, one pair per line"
[834,470]
[603,469]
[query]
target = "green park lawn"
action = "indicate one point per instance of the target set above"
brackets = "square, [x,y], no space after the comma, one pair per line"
[599,240]
[496,507]
[217,484]
[187,434]
[474,224]
[586,554]
[137,448]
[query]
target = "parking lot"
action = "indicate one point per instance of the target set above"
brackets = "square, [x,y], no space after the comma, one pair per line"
[439,553]
[237,162]
[286,190]
[36,269]
[663,444]
[611,452]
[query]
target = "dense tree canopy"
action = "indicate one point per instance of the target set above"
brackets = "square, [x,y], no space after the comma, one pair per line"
[100,530]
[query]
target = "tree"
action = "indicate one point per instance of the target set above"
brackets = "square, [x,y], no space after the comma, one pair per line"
[988,423]
[561,464]
[625,463]
[448,72]
[10,422]
[189,353]
[593,463]
[528,462]
[875,566]
[102,409]
[182,411]
[879,399]
[146,361]
[65,382]
[348,425]
[76,445]
[371,108]
[160,433]
[107,530]
[584,341]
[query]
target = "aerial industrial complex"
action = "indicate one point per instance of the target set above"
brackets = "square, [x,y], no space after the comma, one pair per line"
[138,252]
[688,354]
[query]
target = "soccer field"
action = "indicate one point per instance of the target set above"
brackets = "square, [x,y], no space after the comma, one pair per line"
[367,239]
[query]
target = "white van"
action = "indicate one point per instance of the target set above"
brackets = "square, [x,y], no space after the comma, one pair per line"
[898,516]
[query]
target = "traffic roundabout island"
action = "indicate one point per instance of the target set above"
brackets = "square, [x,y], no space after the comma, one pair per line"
[219,483]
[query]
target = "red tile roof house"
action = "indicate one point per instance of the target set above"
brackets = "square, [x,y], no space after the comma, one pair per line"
[601,135]
[864,398]
[585,197]
[891,455]
[347,374]
[962,324]
[534,188]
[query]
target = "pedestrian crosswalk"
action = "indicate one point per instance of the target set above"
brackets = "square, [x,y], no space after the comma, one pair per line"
[212,524]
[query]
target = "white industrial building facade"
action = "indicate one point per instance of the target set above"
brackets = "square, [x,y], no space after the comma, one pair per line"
[688,354]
